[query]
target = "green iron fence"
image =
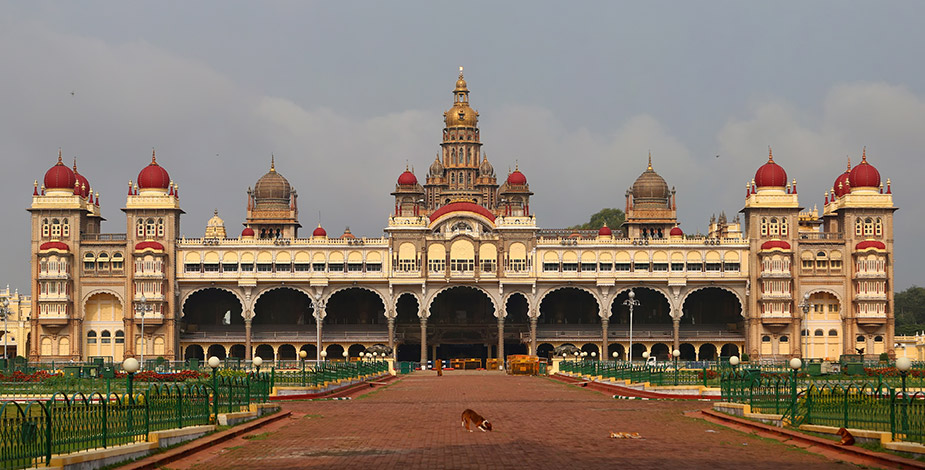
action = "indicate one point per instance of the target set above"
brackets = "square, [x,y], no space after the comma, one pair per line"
[319,374]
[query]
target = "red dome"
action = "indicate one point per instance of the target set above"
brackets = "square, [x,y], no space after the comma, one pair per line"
[149,245]
[319,232]
[771,174]
[407,179]
[778,244]
[870,245]
[462,206]
[83,183]
[841,183]
[247,232]
[54,246]
[153,176]
[864,175]
[605,231]
[60,176]
[676,232]
[516,178]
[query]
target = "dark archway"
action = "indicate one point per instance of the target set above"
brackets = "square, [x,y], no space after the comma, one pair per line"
[194,351]
[638,349]
[545,350]
[408,353]
[462,306]
[729,349]
[217,350]
[355,349]
[311,351]
[406,310]
[707,352]
[660,352]
[569,306]
[517,308]
[354,306]
[616,348]
[211,308]
[335,352]
[286,352]
[238,351]
[688,352]
[712,307]
[265,352]
[284,308]
[653,309]
[591,348]
[462,324]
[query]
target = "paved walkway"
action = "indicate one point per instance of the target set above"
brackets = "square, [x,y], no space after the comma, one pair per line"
[538,423]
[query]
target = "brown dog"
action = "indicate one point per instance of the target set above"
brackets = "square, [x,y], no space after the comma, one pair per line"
[471,417]
[846,438]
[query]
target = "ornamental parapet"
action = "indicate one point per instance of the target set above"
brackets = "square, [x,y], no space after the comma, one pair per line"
[287,242]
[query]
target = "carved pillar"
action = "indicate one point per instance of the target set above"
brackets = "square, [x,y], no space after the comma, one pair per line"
[501,343]
[676,323]
[129,326]
[533,321]
[248,353]
[319,322]
[423,339]
[605,323]
[391,321]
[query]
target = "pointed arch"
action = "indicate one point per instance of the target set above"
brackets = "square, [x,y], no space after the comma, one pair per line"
[185,297]
[430,299]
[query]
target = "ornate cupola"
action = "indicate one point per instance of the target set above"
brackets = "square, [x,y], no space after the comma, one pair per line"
[651,211]
[215,228]
[514,195]
[460,171]
[272,210]
[409,195]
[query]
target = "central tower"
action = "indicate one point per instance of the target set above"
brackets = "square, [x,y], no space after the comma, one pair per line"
[461,171]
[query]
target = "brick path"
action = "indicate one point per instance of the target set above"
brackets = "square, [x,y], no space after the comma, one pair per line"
[538,423]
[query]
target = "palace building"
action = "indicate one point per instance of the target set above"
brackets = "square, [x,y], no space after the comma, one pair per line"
[464,270]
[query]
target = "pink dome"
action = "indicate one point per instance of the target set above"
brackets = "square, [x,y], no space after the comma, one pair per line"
[605,231]
[516,178]
[676,232]
[775,244]
[462,206]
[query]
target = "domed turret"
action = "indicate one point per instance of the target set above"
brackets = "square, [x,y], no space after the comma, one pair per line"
[650,189]
[436,168]
[319,232]
[771,174]
[153,176]
[676,232]
[82,182]
[864,175]
[59,177]
[215,227]
[272,190]
[605,231]
[841,183]
[407,178]
[461,115]
[516,178]
[247,233]
[485,168]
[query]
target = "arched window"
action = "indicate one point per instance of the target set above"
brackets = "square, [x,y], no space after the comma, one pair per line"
[773,229]
[765,339]
[91,337]
[833,332]
[105,337]
[118,262]
[149,228]
[859,227]
[89,261]
[102,261]
[140,228]
[878,228]
[818,333]
[55,228]
[860,339]
[783,227]
[878,339]
[65,229]
[764,226]
[120,337]
[45,228]
[868,226]
[160,228]
[784,339]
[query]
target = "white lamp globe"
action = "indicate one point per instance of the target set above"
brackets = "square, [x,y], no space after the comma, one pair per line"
[615,354]
[904,364]
[258,361]
[344,354]
[796,363]
[734,361]
[676,353]
[130,365]
[631,294]
[214,362]
[593,353]
[645,354]
[303,354]
[324,354]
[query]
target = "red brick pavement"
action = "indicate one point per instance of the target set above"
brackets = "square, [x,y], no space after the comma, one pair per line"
[538,423]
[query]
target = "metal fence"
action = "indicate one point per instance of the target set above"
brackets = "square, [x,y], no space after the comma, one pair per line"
[31,431]
[320,374]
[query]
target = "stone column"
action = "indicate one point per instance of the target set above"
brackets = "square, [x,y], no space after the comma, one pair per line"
[129,325]
[391,321]
[318,313]
[501,343]
[248,353]
[676,323]
[605,323]
[533,322]
[423,339]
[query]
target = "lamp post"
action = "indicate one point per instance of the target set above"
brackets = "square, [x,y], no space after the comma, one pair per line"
[258,361]
[676,354]
[214,363]
[5,311]
[594,361]
[130,366]
[631,302]
[795,365]
[141,308]
[734,361]
[302,356]
[903,364]
[323,354]
[804,307]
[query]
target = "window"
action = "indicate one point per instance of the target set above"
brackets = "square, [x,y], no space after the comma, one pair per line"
[65,229]
[102,261]
[677,266]
[210,267]
[318,267]
[45,228]
[149,228]
[118,262]
[230,267]
[264,267]
[570,267]
[488,265]
[731,267]
[773,229]
[91,337]
[283,267]
[105,337]
[160,228]
[247,267]
[878,228]
[833,332]
[818,333]
[807,264]
[641,267]
[550,267]
[713,267]
[784,339]
[336,267]
[355,267]
[660,267]
[55,228]
[859,227]
[303,267]
[765,339]
[695,267]
[860,339]
[140,228]
[783,227]
[622,267]
[603,267]
[588,266]
[373,267]
[764,227]
[120,337]
[192,267]
[835,264]
[464,265]
[868,226]
[517,264]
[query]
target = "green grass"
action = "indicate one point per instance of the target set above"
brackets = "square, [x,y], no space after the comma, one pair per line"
[258,437]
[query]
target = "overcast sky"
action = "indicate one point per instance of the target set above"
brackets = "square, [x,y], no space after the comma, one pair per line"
[344,93]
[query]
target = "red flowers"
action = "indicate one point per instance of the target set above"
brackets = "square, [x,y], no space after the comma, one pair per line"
[152,376]
[18,376]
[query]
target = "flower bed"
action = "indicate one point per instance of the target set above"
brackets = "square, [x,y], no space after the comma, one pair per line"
[19,376]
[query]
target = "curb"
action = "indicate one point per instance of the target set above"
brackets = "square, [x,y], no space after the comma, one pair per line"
[158,460]
[860,454]
[616,390]
[337,393]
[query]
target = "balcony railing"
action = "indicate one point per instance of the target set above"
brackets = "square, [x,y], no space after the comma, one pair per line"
[103,237]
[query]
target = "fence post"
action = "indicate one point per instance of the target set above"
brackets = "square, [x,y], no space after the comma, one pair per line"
[845,413]
[48,420]
[704,374]
[893,414]
[180,407]
[105,404]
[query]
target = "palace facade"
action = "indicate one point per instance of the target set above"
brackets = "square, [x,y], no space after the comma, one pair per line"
[464,270]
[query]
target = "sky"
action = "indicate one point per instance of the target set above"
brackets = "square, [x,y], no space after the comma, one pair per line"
[345,94]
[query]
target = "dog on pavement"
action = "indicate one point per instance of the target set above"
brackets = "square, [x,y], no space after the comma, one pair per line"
[470,417]
[846,438]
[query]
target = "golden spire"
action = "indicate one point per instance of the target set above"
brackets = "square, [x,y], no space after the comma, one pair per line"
[153,157]
[272,163]
[849,163]
[864,155]
[59,156]
[650,161]
[460,72]
[770,155]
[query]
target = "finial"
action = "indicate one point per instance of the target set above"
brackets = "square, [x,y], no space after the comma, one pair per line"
[153,157]
[864,155]
[849,163]
[215,212]
[59,156]
[272,163]
[75,164]
[770,155]
[650,161]
[460,71]
[516,165]
[35,188]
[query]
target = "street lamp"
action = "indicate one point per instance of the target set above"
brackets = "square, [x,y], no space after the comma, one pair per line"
[676,354]
[734,361]
[631,302]
[214,363]
[5,312]
[804,306]
[302,356]
[258,361]
[141,308]
[795,365]
[903,364]
[130,366]
[324,354]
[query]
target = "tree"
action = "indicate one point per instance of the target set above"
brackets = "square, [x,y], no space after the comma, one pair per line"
[613,217]
[909,310]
